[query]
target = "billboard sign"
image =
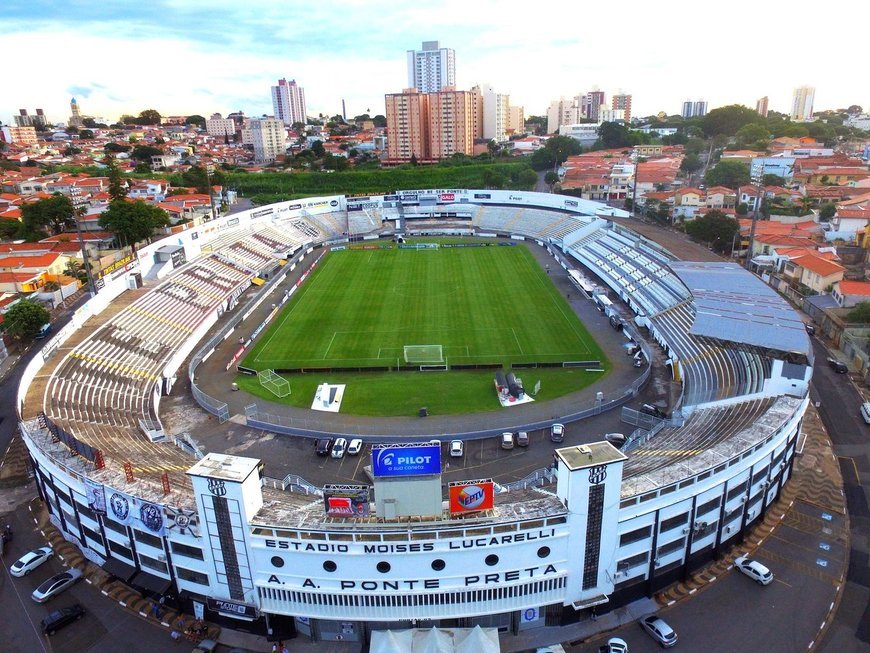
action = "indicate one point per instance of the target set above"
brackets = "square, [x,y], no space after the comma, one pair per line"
[413,460]
[346,501]
[471,496]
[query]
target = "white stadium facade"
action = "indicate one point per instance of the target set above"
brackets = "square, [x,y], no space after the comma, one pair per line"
[606,527]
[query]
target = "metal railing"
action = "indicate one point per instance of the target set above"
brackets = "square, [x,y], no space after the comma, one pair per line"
[537,478]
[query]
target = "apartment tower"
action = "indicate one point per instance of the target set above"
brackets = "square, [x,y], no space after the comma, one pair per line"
[268,138]
[288,102]
[407,125]
[431,68]
[622,101]
[761,106]
[802,103]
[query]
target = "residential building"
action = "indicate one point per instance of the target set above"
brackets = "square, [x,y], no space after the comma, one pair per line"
[451,123]
[802,103]
[407,116]
[268,138]
[761,106]
[516,120]
[25,120]
[217,126]
[496,109]
[815,272]
[431,68]
[592,102]
[611,115]
[694,109]
[288,102]
[782,166]
[586,133]
[622,101]
[24,135]
[849,294]
[564,111]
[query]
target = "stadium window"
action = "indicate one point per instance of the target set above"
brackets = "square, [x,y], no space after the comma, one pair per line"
[670,547]
[185,550]
[147,561]
[673,522]
[191,576]
[383,566]
[329,566]
[491,560]
[713,504]
[277,561]
[92,534]
[636,535]
[147,538]
[736,491]
[120,550]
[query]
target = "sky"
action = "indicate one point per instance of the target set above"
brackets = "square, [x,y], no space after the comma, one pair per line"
[216,56]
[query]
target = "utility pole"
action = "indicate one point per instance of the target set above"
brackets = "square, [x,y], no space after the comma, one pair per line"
[756,177]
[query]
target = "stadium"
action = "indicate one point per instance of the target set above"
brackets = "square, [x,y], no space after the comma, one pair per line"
[595,527]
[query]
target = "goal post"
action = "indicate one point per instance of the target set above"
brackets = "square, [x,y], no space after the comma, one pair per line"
[423,354]
[277,385]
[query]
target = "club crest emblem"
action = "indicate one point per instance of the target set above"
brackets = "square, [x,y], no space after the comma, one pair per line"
[217,487]
[597,474]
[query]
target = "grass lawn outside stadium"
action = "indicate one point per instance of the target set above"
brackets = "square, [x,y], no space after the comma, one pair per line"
[482,305]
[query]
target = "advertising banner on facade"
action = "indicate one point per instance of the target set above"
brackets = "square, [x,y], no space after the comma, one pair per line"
[346,500]
[96,496]
[408,460]
[471,496]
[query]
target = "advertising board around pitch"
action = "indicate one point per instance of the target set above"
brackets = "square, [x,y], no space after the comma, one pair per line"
[413,460]
[471,496]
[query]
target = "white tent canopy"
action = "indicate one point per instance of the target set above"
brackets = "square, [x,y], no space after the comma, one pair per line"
[436,640]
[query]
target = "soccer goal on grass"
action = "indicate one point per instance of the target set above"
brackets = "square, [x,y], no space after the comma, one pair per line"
[278,386]
[423,354]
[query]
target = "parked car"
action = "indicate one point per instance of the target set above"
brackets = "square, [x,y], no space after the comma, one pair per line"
[522,439]
[659,631]
[616,439]
[838,366]
[355,446]
[557,432]
[60,618]
[614,645]
[457,448]
[507,440]
[810,329]
[655,411]
[323,446]
[754,569]
[30,561]
[339,447]
[56,584]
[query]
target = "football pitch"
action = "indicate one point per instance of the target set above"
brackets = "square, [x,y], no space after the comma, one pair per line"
[436,308]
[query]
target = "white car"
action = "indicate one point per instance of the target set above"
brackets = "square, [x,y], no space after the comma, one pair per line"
[354,447]
[614,645]
[338,448]
[557,432]
[507,440]
[754,569]
[56,584]
[30,561]
[457,448]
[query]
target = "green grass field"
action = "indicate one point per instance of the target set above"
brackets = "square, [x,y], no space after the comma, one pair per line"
[482,305]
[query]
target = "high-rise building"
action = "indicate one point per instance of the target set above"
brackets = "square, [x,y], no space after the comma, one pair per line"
[75,119]
[622,101]
[516,120]
[592,101]
[610,115]
[564,111]
[288,102]
[802,103]
[218,126]
[761,106]
[452,117]
[20,134]
[496,110]
[694,109]
[407,116]
[432,68]
[268,138]
[25,120]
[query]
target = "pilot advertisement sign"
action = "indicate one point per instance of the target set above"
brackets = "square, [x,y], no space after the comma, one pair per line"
[471,497]
[406,461]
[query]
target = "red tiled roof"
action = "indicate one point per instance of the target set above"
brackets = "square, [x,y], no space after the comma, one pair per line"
[816,264]
[41,261]
[854,287]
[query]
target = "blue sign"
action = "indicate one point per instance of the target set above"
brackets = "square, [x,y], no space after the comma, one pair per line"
[406,461]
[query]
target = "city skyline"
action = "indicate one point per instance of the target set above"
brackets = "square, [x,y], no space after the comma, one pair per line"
[205,57]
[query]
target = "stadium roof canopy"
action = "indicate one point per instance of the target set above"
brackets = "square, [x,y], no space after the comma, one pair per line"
[734,305]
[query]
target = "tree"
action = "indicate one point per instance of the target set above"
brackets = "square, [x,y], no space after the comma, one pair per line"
[493,179]
[318,149]
[117,186]
[729,119]
[148,117]
[551,178]
[827,211]
[145,152]
[90,123]
[195,119]
[86,134]
[380,120]
[753,135]
[116,148]
[728,173]
[55,213]
[543,159]
[859,314]
[133,221]
[691,163]
[715,228]
[742,209]
[25,319]
[199,179]
[562,147]
[9,229]
[337,163]
[413,160]
[773,180]
[612,135]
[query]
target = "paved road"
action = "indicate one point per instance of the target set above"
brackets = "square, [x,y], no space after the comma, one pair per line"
[840,401]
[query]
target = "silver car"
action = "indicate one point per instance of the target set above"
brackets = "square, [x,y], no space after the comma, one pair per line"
[659,631]
[56,584]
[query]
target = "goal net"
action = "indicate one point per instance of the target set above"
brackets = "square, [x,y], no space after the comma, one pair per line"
[421,354]
[275,384]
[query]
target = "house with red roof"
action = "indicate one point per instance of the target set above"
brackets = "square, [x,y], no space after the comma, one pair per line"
[815,272]
[851,293]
